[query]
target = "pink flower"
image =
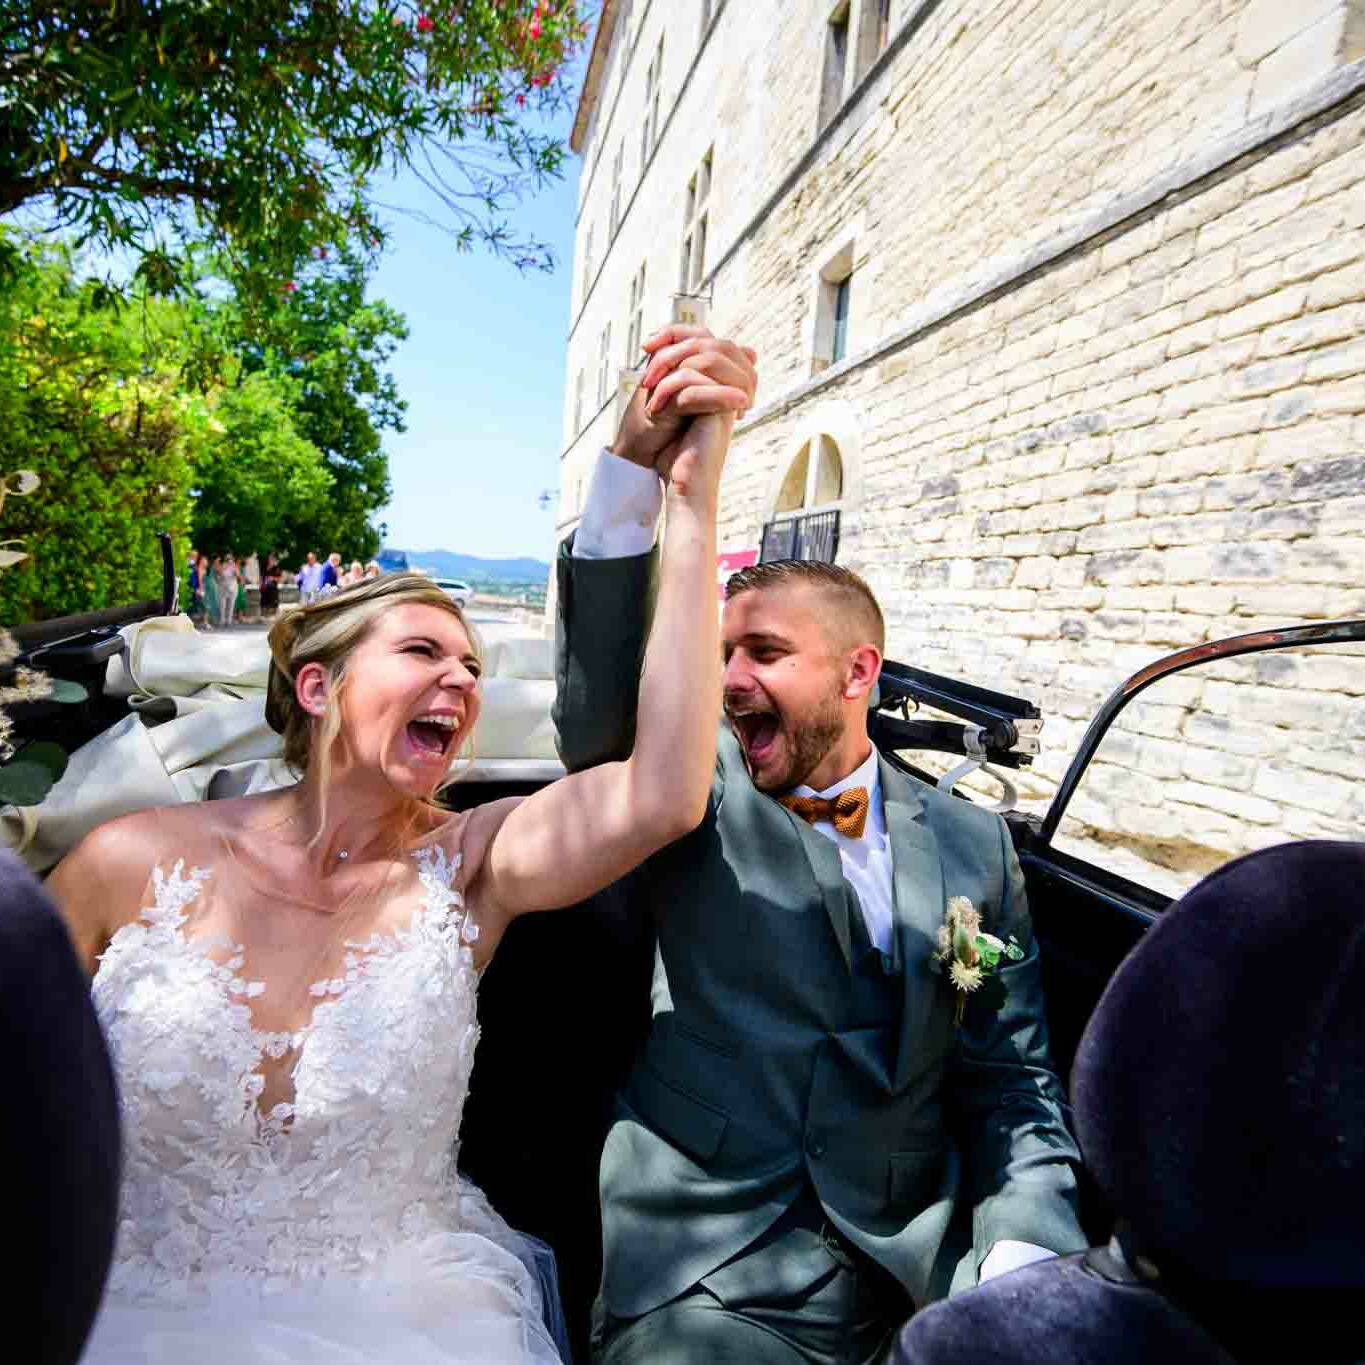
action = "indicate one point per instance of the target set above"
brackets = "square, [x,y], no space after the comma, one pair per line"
[424,24]
[521,101]
[535,26]
[290,287]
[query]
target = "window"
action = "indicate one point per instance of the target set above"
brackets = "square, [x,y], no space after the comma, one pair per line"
[578,404]
[833,309]
[873,33]
[841,293]
[836,62]
[812,483]
[635,334]
[616,191]
[804,524]
[649,131]
[587,267]
[603,388]
[693,265]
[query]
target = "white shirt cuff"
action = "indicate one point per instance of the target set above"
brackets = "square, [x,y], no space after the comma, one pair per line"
[620,511]
[1009,1255]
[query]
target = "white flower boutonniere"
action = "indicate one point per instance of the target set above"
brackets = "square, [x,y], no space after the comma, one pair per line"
[970,956]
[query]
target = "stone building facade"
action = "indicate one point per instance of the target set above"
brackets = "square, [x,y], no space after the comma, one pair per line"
[1060,307]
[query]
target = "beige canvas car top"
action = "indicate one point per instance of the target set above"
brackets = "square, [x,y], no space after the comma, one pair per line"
[198,732]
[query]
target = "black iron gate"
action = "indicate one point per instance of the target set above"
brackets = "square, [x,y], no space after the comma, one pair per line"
[811,537]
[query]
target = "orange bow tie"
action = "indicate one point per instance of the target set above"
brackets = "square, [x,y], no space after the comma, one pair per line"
[847,812]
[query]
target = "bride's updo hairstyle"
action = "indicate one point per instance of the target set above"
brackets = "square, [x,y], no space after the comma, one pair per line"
[327,632]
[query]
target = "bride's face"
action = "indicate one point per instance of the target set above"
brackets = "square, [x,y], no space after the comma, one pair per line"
[411,697]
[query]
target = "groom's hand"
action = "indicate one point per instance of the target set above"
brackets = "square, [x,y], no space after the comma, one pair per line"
[690,374]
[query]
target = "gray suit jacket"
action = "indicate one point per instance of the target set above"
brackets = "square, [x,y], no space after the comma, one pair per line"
[777,1057]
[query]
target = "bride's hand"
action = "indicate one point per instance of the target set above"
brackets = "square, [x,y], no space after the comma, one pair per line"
[690,374]
[697,457]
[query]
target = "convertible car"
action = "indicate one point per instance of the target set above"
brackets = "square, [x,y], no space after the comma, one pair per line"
[1208,752]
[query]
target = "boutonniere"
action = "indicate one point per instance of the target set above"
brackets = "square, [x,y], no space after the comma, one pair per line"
[971,956]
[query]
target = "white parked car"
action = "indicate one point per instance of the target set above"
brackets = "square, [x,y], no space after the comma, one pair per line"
[460,592]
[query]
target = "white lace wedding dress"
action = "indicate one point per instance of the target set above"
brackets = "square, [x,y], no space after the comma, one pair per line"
[333,1229]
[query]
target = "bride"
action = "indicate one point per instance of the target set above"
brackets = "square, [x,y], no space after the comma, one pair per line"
[287,981]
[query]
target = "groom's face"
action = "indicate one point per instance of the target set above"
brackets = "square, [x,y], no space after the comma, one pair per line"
[783,683]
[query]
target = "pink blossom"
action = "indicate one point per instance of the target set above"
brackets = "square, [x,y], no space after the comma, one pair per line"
[424,24]
[290,287]
[535,26]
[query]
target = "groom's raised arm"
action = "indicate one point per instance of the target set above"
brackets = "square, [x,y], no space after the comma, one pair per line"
[605,571]
[605,576]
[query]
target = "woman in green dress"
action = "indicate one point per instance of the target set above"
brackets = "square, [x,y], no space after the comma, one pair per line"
[209,574]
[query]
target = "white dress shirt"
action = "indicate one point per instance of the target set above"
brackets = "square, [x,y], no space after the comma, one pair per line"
[619,518]
[866,861]
[620,511]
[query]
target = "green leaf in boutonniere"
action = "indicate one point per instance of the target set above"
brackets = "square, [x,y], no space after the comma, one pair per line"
[970,955]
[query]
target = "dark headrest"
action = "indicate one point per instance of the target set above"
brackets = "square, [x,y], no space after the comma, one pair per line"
[1056,1313]
[1219,1089]
[59,1138]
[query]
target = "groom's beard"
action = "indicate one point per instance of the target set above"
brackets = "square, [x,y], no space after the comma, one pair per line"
[805,741]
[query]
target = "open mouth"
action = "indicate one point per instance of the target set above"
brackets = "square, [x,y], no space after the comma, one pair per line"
[432,736]
[757,734]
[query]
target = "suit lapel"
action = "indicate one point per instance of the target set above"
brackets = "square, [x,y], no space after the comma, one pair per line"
[919,900]
[822,854]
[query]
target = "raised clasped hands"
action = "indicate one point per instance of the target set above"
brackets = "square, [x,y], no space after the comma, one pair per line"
[691,375]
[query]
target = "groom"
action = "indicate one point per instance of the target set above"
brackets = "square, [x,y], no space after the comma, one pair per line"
[808,1147]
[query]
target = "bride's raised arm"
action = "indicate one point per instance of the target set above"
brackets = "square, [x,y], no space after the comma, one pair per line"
[583,832]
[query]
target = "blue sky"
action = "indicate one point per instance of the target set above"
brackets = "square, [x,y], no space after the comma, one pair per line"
[483,374]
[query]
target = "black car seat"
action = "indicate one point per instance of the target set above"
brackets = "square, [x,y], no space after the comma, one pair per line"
[1219,1095]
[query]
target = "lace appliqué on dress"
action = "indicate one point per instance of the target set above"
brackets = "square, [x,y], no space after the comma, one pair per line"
[362,1159]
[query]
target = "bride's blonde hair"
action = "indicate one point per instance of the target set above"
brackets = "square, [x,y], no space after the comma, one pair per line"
[328,632]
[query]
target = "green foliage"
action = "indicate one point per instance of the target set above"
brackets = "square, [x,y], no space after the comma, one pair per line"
[26,780]
[254,473]
[259,126]
[330,345]
[250,429]
[108,433]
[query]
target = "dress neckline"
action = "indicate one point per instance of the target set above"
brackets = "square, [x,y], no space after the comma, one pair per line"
[440,914]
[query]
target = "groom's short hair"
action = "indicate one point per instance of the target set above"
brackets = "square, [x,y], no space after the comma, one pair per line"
[855,614]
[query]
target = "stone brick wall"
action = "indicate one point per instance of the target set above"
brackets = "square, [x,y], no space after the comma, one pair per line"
[1157,443]
[1071,443]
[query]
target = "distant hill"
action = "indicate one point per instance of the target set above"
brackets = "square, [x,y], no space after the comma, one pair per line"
[446,564]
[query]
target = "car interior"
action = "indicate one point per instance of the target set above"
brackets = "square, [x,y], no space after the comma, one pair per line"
[566,1003]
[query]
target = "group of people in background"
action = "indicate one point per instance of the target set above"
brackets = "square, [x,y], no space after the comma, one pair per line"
[316,578]
[219,584]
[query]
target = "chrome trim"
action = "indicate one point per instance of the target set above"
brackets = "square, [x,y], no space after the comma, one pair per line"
[1255,642]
